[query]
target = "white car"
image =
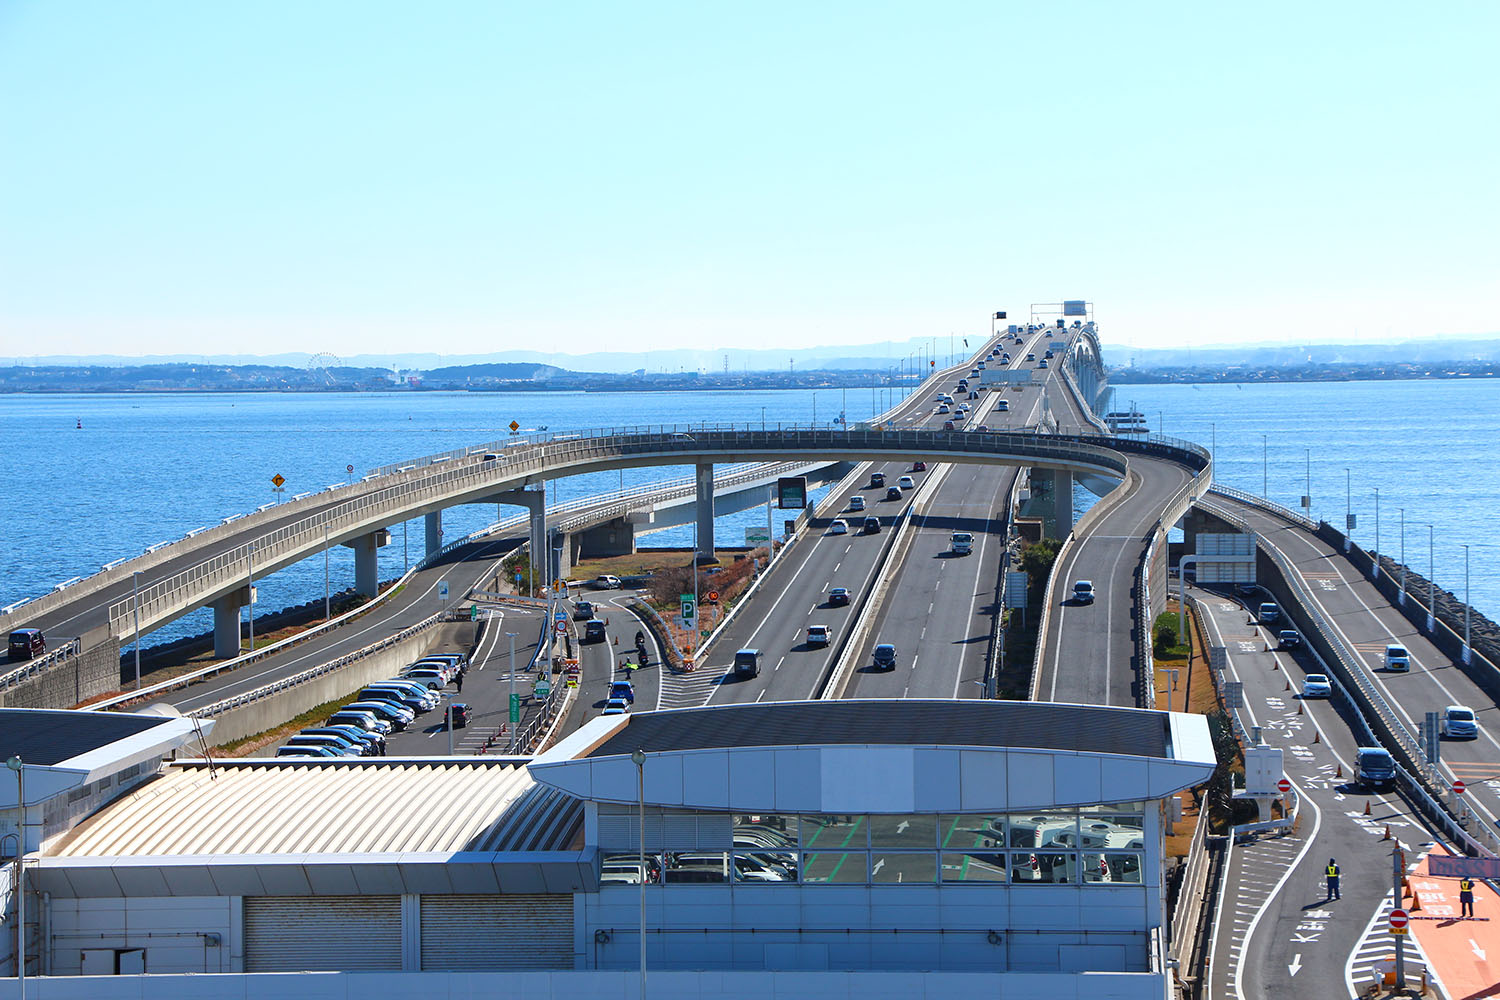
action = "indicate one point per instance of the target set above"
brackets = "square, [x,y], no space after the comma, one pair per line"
[907,483]
[819,635]
[839,527]
[856,502]
[607,582]
[1317,686]
[1459,723]
[616,706]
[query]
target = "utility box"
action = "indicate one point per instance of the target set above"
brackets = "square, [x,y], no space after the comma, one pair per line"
[1263,769]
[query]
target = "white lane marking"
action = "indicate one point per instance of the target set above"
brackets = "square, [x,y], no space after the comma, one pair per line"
[1239,968]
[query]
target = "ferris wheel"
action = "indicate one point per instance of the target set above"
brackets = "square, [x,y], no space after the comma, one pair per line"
[325,363]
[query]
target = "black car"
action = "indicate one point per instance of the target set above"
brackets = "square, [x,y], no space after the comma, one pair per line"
[837,596]
[872,526]
[583,610]
[893,493]
[877,479]
[593,631]
[885,657]
[459,712]
[26,643]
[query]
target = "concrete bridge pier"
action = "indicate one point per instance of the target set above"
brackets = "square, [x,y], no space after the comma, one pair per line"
[366,562]
[433,523]
[705,512]
[535,502]
[1052,501]
[227,623]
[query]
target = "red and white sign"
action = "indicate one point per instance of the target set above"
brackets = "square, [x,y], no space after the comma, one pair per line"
[348,468]
[1399,920]
[1458,787]
[1283,786]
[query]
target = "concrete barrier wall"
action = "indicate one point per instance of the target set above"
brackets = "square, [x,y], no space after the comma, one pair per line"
[276,710]
[93,672]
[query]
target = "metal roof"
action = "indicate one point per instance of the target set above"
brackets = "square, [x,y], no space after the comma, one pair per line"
[50,737]
[269,807]
[897,721]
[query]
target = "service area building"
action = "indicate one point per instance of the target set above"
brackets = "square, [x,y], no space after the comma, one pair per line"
[845,848]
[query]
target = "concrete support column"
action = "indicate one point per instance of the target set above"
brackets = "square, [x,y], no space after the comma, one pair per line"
[705,511]
[227,623]
[366,564]
[1064,481]
[434,524]
[535,502]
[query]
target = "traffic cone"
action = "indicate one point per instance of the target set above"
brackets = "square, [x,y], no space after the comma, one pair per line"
[1367,807]
[1340,772]
[1317,736]
[617,641]
[1387,832]
[1416,902]
[1405,887]
[1275,664]
[1299,708]
[1288,686]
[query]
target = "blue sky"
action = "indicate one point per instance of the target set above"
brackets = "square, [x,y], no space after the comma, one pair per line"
[378,177]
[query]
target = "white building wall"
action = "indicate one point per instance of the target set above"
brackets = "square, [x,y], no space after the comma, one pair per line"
[175,931]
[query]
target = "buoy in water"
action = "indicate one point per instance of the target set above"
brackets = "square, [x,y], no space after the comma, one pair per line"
[80,423]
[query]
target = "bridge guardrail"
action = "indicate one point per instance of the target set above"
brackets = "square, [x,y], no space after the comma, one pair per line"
[1147,653]
[41,664]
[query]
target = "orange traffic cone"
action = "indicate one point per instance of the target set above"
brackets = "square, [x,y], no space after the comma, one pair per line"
[1317,736]
[1416,902]
[1367,807]
[1387,832]
[1299,708]
[1275,664]
[1340,772]
[1288,686]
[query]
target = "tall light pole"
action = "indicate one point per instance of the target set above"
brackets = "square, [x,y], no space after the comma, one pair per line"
[1265,466]
[16,765]
[1466,604]
[1431,586]
[1307,485]
[1348,510]
[326,614]
[1402,600]
[1375,561]
[513,686]
[638,757]
[250,591]
[135,599]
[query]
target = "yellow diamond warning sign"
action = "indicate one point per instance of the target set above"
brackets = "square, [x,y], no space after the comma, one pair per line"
[276,480]
[514,426]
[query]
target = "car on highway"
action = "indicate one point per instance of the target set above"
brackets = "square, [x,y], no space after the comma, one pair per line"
[1031,357]
[856,502]
[961,543]
[907,483]
[872,526]
[1083,592]
[1397,658]
[944,408]
[947,425]
[893,493]
[980,366]
[747,663]
[622,689]
[1042,363]
[877,480]
[583,610]
[1288,638]
[838,526]
[593,630]
[616,706]
[884,657]
[838,596]
[1459,722]
[1002,406]
[1005,358]
[1374,768]
[26,643]
[1268,613]
[605,581]
[1047,356]
[919,466]
[983,429]
[1317,686]
[819,635]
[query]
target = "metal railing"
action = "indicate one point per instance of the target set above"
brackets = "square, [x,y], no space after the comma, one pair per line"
[1252,500]
[1144,626]
[40,664]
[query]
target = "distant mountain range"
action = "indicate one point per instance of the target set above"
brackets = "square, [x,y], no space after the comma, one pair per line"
[1434,351]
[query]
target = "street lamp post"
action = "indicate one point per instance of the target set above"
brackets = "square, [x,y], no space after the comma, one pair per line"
[1348,510]
[1431,586]
[1307,486]
[16,765]
[326,614]
[135,600]
[250,591]
[1466,604]
[1265,466]
[1375,556]
[1402,599]
[513,687]
[638,757]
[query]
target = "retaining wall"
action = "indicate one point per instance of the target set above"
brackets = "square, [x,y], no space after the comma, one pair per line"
[93,672]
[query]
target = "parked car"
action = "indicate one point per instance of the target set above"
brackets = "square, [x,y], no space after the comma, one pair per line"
[26,643]
[372,741]
[433,678]
[884,657]
[606,581]
[838,596]
[819,635]
[1083,592]
[1317,686]
[384,710]
[307,751]
[360,719]
[857,502]
[838,526]
[339,745]
[1459,722]
[418,697]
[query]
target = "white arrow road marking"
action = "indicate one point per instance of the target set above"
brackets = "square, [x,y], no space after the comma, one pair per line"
[1477,950]
[1296,965]
[901,828]
[878,865]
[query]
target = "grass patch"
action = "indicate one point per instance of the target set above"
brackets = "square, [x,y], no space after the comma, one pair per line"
[257,741]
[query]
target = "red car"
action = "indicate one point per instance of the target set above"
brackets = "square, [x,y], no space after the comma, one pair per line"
[947,425]
[919,466]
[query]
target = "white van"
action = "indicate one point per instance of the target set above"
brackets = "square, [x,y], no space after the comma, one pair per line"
[963,543]
[1397,658]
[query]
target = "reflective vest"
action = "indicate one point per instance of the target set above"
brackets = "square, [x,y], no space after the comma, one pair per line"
[1466,885]
[1333,871]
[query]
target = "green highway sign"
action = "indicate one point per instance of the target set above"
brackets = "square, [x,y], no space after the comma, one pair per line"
[542,689]
[515,708]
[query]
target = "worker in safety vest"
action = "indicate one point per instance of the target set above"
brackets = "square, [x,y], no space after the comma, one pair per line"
[1466,897]
[1332,871]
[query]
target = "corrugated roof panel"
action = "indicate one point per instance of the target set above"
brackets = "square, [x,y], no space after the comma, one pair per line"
[358,807]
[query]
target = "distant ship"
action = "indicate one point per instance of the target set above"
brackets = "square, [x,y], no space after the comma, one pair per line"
[1127,422]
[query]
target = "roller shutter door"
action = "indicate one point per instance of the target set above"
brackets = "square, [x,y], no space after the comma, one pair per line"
[497,932]
[317,933]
